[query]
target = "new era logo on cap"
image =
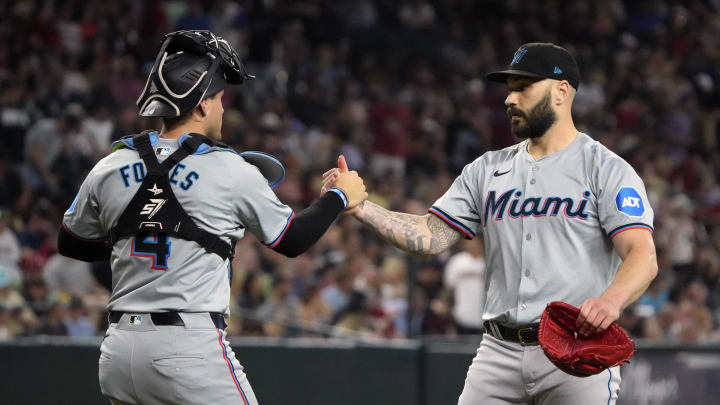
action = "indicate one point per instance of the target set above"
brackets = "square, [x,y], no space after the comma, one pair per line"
[557,71]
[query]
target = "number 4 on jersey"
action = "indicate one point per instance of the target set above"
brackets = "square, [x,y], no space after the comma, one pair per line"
[154,245]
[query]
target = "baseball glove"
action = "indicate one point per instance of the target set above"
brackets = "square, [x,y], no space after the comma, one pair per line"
[578,355]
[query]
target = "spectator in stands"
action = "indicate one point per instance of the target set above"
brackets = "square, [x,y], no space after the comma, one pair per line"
[38,297]
[78,321]
[250,299]
[54,324]
[6,333]
[392,85]
[314,312]
[280,313]
[464,277]
[63,274]
[9,246]
[337,295]
[353,319]
[19,318]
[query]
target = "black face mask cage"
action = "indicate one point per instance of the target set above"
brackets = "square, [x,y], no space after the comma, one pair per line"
[203,43]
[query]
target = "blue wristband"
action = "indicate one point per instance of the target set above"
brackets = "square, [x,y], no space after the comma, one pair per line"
[342,195]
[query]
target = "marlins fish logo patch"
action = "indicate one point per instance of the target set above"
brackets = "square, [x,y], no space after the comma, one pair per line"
[518,56]
[629,202]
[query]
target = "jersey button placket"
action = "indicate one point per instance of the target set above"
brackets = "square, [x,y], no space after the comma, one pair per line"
[525,287]
[532,174]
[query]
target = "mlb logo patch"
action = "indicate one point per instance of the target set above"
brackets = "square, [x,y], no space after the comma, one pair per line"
[162,151]
[135,319]
[629,202]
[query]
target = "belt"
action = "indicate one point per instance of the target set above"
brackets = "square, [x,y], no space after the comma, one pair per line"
[170,318]
[526,336]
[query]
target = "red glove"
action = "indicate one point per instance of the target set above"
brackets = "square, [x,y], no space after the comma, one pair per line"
[581,356]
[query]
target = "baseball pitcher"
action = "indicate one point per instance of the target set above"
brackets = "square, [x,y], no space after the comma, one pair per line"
[564,219]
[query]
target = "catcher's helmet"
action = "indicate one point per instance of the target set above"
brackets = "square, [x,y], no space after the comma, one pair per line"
[190,66]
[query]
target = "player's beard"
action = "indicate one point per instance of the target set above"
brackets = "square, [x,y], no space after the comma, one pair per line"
[536,122]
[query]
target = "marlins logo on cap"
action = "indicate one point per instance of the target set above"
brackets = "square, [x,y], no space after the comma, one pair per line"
[518,56]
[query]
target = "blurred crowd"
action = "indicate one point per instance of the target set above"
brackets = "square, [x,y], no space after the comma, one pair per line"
[399,89]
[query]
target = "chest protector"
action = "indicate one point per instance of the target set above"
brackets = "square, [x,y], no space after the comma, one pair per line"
[154,210]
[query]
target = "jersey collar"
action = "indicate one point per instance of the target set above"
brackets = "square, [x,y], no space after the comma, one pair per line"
[154,138]
[128,141]
[575,145]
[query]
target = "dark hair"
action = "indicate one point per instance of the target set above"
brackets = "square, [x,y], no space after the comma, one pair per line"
[174,122]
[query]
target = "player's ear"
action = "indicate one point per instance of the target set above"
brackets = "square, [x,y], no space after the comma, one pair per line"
[204,108]
[561,92]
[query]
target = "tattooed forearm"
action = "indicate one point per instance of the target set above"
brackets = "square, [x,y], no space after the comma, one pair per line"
[420,235]
[443,235]
[404,231]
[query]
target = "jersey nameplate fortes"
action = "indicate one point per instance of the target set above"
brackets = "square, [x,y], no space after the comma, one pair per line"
[629,202]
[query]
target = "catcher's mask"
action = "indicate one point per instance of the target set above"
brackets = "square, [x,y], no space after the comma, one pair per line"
[190,66]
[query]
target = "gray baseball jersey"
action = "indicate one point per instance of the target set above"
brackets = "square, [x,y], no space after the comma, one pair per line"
[548,223]
[221,192]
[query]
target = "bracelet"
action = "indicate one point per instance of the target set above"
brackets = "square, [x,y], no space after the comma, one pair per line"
[342,195]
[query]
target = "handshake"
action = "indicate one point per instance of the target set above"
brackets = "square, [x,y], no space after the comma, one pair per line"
[348,181]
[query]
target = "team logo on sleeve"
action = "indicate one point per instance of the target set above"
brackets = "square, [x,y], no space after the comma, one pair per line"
[72,206]
[629,202]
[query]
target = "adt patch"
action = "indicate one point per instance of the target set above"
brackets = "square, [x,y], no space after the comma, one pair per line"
[629,202]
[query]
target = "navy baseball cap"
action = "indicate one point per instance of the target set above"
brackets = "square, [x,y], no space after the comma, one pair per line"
[541,60]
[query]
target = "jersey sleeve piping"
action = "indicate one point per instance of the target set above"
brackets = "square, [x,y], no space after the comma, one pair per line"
[279,238]
[636,225]
[452,222]
[98,240]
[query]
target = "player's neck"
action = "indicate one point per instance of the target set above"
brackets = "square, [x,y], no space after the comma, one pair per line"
[181,130]
[557,138]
